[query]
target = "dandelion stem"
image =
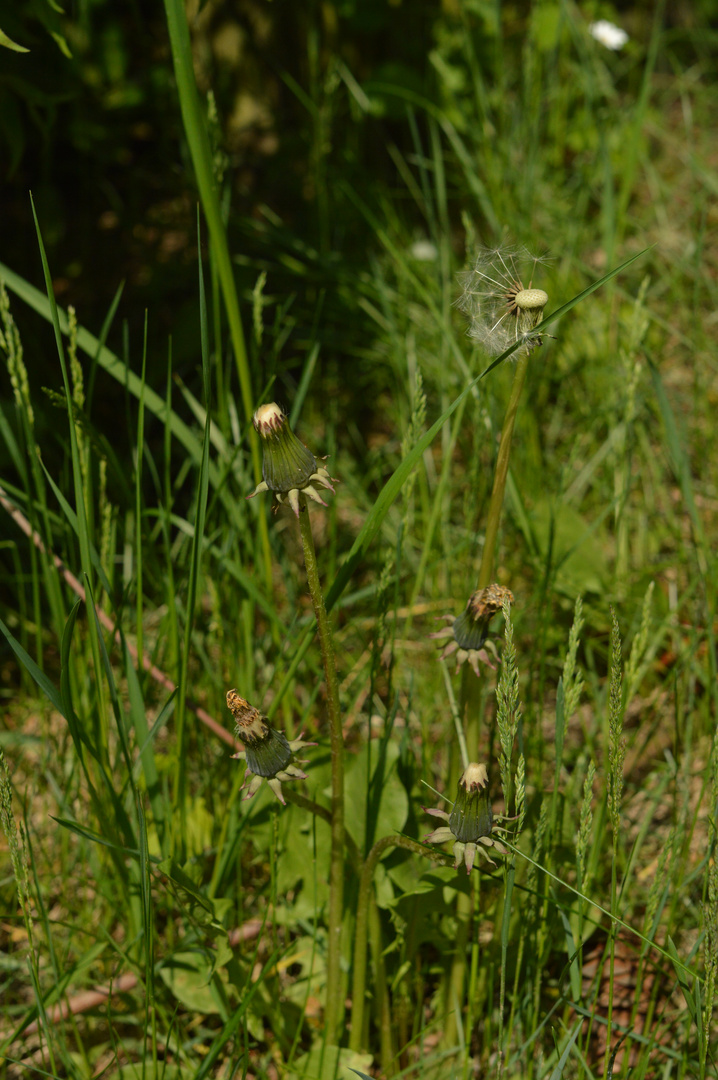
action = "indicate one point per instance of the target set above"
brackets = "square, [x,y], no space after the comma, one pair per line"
[456,977]
[456,715]
[502,468]
[361,929]
[335,997]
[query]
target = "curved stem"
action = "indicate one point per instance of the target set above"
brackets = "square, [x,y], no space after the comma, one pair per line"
[335,998]
[502,468]
[362,922]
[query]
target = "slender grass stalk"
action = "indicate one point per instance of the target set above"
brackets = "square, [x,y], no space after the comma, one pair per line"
[198,140]
[101,726]
[457,719]
[437,505]
[200,149]
[582,845]
[18,853]
[333,1015]
[496,505]
[139,454]
[11,345]
[616,757]
[473,995]
[180,777]
[509,875]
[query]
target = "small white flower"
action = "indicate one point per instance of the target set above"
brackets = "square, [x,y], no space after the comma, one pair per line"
[608,34]
[424,251]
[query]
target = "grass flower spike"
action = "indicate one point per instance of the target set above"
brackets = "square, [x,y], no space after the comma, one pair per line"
[469,632]
[268,753]
[288,467]
[502,310]
[471,821]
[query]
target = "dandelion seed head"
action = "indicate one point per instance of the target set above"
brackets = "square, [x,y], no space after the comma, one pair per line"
[500,301]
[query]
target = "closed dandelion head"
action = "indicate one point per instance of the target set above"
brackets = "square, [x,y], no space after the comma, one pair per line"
[469,633]
[471,821]
[268,753]
[288,467]
[501,309]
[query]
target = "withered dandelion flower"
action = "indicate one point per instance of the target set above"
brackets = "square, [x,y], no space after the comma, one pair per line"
[469,632]
[268,753]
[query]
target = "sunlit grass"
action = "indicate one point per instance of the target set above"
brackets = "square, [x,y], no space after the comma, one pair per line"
[135,866]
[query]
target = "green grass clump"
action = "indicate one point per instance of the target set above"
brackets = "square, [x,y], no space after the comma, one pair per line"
[156,924]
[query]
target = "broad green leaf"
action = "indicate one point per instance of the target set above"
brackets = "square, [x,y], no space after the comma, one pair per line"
[578,558]
[329,1063]
[188,977]
[393,803]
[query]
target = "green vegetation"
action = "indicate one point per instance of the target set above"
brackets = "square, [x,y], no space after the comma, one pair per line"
[327,207]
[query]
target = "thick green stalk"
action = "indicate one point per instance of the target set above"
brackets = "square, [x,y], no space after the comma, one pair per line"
[381,992]
[335,997]
[502,468]
[454,986]
[361,928]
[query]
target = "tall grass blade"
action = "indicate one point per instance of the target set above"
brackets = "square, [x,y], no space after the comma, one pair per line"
[48,688]
[80,509]
[180,779]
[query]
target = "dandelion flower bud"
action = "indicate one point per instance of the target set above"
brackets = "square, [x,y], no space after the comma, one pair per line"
[469,631]
[288,467]
[471,817]
[268,753]
[471,820]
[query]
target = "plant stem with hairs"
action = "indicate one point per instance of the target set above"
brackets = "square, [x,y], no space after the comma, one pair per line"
[335,997]
[361,929]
